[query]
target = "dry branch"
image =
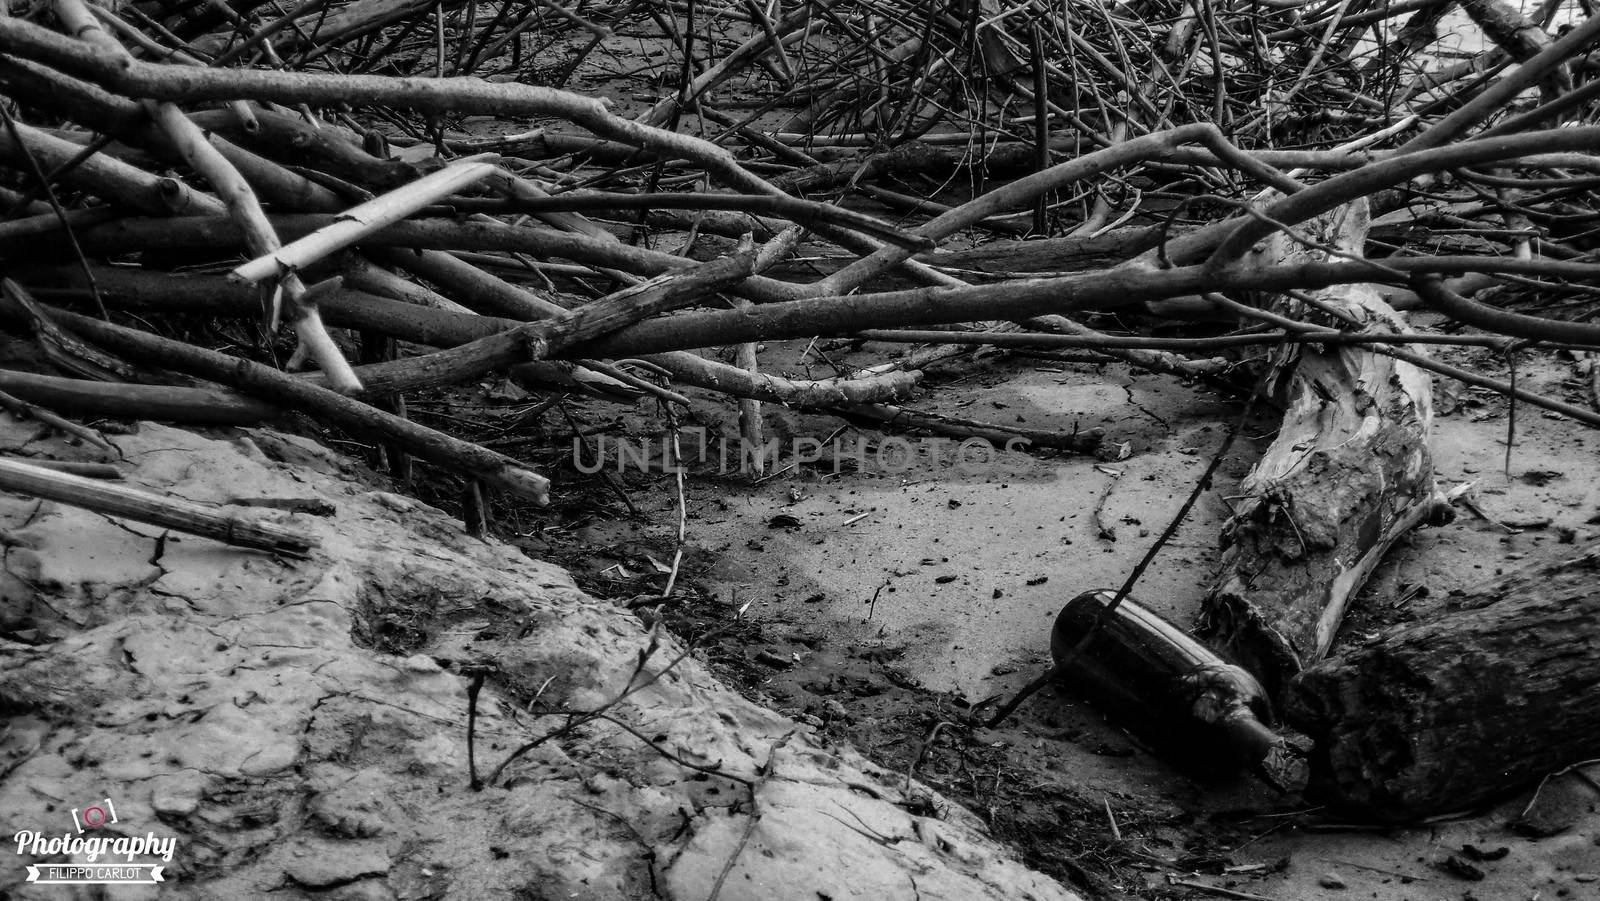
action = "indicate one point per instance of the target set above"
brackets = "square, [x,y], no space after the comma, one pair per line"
[288,391]
[1008,437]
[450,95]
[356,223]
[80,397]
[132,290]
[143,506]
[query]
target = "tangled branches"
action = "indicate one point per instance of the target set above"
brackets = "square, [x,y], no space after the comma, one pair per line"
[328,165]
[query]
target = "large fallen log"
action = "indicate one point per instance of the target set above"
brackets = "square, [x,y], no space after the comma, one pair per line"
[1440,715]
[1349,473]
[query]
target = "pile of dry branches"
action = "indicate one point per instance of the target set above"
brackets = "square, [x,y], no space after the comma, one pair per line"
[958,175]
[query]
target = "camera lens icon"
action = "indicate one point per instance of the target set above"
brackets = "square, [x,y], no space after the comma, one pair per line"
[94,817]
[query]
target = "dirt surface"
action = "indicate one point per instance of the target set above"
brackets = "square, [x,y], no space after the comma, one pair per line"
[881,606]
[298,728]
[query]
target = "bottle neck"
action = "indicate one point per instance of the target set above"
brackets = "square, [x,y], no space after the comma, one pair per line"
[1279,759]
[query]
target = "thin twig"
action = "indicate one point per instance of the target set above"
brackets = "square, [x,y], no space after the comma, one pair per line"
[1106,613]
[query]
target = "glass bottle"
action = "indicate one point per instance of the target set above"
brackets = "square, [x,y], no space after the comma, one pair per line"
[1155,680]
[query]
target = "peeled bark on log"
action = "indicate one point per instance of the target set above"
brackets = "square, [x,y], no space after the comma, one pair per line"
[1349,473]
[1440,715]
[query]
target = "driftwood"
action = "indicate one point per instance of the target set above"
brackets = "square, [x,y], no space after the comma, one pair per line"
[86,470]
[150,291]
[82,397]
[172,513]
[1072,253]
[187,141]
[1349,473]
[1458,710]
[1067,254]
[452,453]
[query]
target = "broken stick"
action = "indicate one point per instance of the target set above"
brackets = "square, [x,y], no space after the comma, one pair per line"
[169,512]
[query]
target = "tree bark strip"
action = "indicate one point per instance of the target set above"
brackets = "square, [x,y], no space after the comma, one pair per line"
[1349,473]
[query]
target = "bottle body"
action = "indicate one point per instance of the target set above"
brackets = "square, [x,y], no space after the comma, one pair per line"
[1155,680]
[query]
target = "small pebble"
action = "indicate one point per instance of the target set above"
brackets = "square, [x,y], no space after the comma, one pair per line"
[1331,880]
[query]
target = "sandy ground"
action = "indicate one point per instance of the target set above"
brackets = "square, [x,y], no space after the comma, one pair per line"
[973,564]
[314,727]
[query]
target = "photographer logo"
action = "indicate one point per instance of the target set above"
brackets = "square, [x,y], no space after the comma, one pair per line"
[102,858]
